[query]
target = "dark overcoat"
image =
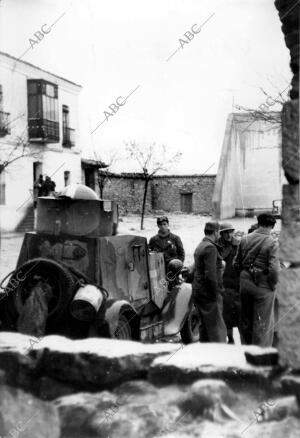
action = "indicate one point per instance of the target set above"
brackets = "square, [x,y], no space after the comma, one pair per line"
[207,288]
[231,295]
[170,245]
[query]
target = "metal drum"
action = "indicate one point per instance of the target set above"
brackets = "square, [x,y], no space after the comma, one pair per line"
[86,303]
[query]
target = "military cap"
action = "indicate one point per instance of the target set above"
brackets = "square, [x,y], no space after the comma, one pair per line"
[174,268]
[266,219]
[162,219]
[226,226]
[211,226]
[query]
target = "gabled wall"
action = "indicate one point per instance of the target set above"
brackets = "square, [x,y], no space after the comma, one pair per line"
[249,176]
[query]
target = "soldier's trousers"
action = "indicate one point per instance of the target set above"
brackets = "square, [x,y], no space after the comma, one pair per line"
[257,313]
[212,325]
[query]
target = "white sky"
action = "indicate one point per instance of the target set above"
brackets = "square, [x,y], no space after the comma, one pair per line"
[111,47]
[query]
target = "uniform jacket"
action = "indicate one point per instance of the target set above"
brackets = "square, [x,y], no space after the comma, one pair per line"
[207,281]
[266,260]
[170,245]
[228,252]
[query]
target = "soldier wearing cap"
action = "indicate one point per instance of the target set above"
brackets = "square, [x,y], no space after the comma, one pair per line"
[165,241]
[207,286]
[231,296]
[258,264]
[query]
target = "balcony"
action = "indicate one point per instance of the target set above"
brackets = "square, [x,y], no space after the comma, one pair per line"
[68,137]
[42,130]
[4,124]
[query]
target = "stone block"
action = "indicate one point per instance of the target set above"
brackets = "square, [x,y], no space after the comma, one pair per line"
[290,232]
[261,356]
[205,396]
[106,415]
[290,141]
[290,384]
[210,361]
[25,415]
[288,324]
[79,364]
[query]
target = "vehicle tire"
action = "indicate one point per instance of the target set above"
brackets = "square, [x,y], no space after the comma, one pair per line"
[190,330]
[54,276]
[123,330]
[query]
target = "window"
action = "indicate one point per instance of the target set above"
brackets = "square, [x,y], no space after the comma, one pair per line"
[4,117]
[65,118]
[43,118]
[68,133]
[2,188]
[67,174]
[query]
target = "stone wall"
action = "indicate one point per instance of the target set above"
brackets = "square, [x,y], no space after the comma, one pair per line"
[289,285]
[57,387]
[128,191]
[167,193]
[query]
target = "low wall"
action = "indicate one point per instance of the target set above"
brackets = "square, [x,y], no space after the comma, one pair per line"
[186,193]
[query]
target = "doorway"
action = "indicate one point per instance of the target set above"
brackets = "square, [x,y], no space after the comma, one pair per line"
[89,176]
[186,202]
[37,170]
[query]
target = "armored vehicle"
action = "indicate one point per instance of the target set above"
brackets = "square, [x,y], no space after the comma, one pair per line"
[76,277]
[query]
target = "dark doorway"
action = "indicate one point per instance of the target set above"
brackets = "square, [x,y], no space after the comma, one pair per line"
[67,177]
[37,170]
[186,202]
[89,175]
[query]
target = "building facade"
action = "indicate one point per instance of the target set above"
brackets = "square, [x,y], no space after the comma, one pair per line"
[39,135]
[250,176]
[180,193]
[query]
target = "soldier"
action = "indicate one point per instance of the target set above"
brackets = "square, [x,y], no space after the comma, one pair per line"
[48,187]
[207,286]
[38,188]
[231,296]
[258,264]
[166,242]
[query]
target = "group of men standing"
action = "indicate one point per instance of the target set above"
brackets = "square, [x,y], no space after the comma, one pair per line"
[44,187]
[233,281]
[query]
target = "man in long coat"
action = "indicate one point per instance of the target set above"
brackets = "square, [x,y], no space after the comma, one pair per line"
[231,283]
[258,264]
[207,286]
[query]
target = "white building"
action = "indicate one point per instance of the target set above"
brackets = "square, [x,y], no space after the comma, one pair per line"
[250,175]
[40,110]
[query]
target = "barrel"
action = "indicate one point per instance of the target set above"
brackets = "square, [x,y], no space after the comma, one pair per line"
[86,303]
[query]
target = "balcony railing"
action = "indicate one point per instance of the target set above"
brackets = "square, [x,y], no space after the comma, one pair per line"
[68,137]
[4,124]
[43,130]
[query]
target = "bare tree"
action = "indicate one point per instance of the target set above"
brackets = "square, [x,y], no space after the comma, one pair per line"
[264,111]
[15,150]
[104,169]
[151,158]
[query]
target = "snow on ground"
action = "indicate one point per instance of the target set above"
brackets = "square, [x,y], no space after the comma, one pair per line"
[102,347]
[218,356]
[190,228]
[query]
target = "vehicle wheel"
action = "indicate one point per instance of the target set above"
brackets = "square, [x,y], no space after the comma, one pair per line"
[123,330]
[190,330]
[56,282]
